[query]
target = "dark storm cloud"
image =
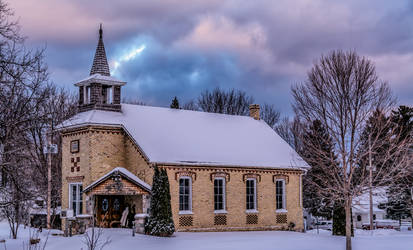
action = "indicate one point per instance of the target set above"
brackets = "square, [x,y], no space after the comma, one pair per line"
[162,72]
[260,46]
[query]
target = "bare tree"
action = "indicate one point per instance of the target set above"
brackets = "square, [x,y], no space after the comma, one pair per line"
[93,237]
[23,91]
[190,105]
[290,131]
[58,106]
[133,101]
[35,242]
[270,115]
[232,102]
[342,92]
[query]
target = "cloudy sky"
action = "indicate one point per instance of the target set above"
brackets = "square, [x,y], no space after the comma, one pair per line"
[180,47]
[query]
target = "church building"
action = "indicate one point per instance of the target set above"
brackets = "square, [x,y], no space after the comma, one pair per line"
[226,172]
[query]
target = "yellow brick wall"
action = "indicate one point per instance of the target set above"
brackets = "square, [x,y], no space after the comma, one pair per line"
[203,199]
[84,165]
[102,149]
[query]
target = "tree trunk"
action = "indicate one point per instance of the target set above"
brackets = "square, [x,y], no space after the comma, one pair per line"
[348,223]
[14,234]
[411,215]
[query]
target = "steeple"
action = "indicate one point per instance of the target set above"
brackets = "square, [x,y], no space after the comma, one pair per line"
[100,63]
[100,90]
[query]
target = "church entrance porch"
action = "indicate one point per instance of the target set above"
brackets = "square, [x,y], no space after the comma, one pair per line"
[114,211]
[116,197]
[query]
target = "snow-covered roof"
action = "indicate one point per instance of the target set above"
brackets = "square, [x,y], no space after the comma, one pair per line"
[379,196]
[361,203]
[43,210]
[98,78]
[125,173]
[172,136]
[365,209]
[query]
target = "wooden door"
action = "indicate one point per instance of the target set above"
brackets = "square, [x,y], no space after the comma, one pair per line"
[109,210]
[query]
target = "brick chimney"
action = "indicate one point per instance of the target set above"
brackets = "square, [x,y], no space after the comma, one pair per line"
[255,111]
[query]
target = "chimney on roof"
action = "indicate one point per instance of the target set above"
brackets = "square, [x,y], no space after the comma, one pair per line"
[255,111]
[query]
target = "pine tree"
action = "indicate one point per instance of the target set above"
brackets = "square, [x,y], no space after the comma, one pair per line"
[175,103]
[374,138]
[403,120]
[160,222]
[316,139]
[339,220]
[399,194]
[317,200]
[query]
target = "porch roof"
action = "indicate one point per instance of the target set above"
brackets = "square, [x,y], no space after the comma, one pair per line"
[124,173]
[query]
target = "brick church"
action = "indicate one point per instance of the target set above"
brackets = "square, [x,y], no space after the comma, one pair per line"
[226,172]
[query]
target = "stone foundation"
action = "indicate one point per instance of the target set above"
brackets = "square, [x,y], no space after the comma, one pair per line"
[140,223]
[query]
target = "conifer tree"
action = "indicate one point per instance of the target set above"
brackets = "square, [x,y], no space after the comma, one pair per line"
[160,222]
[400,203]
[317,201]
[175,103]
[315,138]
[339,220]
[374,143]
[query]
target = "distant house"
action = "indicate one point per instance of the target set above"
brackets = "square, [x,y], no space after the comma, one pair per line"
[361,207]
[226,172]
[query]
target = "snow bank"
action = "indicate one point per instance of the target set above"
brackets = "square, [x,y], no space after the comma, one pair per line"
[268,240]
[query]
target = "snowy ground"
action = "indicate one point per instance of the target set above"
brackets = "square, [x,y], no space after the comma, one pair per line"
[122,239]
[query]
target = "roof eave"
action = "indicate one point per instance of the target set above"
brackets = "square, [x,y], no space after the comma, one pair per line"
[91,186]
[101,81]
[220,165]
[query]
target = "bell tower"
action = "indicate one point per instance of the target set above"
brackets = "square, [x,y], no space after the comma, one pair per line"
[100,90]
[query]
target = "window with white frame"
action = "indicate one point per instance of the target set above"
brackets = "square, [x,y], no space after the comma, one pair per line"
[219,194]
[280,194]
[185,194]
[75,198]
[251,194]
